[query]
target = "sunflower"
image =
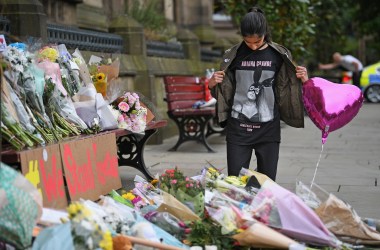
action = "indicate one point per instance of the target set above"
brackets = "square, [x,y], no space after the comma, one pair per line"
[100,77]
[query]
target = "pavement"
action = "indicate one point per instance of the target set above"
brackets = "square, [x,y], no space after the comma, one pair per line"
[349,166]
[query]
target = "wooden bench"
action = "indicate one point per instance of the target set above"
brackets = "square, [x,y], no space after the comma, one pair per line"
[130,148]
[194,124]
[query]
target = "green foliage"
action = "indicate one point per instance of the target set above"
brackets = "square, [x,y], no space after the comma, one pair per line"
[292,22]
[368,17]
[333,29]
[149,14]
[207,232]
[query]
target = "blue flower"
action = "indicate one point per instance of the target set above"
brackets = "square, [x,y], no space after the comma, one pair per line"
[19,46]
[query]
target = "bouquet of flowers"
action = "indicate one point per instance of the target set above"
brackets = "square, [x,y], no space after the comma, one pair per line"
[24,77]
[103,72]
[187,190]
[86,233]
[129,113]
[69,71]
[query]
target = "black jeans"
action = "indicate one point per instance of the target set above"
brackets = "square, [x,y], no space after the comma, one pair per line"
[356,78]
[239,156]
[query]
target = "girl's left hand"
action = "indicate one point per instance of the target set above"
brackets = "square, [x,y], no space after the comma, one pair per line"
[301,73]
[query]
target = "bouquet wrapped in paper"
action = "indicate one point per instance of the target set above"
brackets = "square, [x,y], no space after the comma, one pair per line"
[285,211]
[187,190]
[104,72]
[56,96]
[86,231]
[161,201]
[90,105]
[129,113]
[338,216]
[25,78]
[241,227]
[69,71]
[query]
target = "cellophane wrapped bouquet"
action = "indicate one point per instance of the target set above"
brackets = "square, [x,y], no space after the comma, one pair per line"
[185,189]
[129,113]
[86,232]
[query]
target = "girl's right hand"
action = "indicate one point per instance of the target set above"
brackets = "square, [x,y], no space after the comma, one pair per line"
[216,78]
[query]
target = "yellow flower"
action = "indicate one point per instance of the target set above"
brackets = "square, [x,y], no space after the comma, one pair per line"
[154,182]
[101,87]
[106,242]
[73,209]
[244,179]
[100,77]
[49,53]
[128,196]
[212,170]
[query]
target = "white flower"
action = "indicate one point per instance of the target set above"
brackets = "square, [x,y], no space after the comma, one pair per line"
[90,243]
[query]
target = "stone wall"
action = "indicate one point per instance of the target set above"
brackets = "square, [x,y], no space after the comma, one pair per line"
[138,71]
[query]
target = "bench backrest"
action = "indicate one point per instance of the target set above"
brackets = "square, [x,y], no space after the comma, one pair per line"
[183,91]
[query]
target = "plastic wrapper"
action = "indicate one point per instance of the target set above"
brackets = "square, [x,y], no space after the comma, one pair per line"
[54,237]
[129,113]
[167,222]
[312,197]
[260,236]
[20,208]
[84,73]
[158,232]
[27,77]
[237,196]
[69,70]
[62,104]
[338,216]
[7,95]
[178,209]
[93,110]
[292,216]
[225,216]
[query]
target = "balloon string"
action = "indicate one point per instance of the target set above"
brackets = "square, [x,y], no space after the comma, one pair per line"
[316,168]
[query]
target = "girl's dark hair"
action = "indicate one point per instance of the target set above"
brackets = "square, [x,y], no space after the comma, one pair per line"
[255,23]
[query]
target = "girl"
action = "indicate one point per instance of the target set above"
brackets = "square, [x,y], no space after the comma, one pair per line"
[280,84]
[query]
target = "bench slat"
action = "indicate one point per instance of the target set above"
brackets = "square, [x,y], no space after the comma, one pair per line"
[182,80]
[180,105]
[185,96]
[184,88]
[191,111]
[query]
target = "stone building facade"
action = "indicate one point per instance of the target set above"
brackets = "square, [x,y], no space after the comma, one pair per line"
[139,72]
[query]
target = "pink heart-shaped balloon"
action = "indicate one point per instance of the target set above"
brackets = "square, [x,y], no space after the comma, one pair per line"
[331,105]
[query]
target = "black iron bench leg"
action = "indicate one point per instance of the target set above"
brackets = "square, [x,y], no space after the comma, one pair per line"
[131,151]
[214,128]
[191,128]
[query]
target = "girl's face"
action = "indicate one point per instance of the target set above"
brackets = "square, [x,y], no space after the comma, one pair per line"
[254,42]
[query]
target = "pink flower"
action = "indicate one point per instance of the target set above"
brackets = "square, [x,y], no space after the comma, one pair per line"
[173,181]
[137,199]
[137,106]
[187,179]
[123,106]
[120,118]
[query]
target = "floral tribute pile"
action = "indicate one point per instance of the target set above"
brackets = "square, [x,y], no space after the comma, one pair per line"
[48,94]
[209,210]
